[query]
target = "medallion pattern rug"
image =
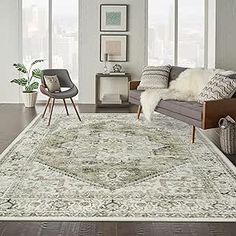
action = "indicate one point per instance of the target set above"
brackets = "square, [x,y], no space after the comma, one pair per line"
[114,167]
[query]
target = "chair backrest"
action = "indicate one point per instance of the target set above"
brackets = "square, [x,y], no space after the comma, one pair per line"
[62,74]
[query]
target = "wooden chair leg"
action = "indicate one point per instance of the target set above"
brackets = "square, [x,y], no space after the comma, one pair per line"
[75,108]
[139,111]
[46,107]
[50,117]
[67,112]
[193,134]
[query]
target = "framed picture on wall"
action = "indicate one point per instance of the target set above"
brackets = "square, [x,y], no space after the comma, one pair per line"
[113,17]
[116,46]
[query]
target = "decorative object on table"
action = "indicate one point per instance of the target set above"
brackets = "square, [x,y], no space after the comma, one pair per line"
[117,68]
[114,45]
[112,90]
[228,135]
[65,82]
[29,82]
[115,167]
[113,17]
[105,68]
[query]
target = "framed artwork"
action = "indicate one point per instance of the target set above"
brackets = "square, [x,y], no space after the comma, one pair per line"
[115,46]
[113,17]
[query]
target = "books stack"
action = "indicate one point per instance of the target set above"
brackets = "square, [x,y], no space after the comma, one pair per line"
[111,99]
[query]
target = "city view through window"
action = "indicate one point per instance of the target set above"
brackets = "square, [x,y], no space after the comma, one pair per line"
[190,32]
[64,35]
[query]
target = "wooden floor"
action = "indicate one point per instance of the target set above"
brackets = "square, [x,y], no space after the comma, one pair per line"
[14,118]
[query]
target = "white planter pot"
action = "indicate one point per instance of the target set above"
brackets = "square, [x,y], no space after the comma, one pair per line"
[30,99]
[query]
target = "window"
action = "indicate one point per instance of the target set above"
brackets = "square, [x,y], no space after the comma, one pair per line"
[161,32]
[65,36]
[176,32]
[35,31]
[191,33]
[57,43]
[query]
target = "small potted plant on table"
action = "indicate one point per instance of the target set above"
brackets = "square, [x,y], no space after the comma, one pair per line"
[28,81]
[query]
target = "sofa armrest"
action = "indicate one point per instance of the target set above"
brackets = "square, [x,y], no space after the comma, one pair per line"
[214,110]
[133,85]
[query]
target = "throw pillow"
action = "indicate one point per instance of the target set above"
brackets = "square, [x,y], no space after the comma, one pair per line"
[52,83]
[155,77]
[219,87]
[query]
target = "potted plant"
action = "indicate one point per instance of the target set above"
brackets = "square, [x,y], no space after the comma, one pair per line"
[28,81]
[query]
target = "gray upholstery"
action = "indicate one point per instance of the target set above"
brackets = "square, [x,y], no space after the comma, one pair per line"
[65,82]
[175,72]
[181,117]
[190,109]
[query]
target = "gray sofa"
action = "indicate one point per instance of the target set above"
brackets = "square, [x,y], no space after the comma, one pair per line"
[204,116]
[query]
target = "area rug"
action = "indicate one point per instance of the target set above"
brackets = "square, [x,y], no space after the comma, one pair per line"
[113,167]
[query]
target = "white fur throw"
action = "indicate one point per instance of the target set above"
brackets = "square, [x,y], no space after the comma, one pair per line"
[186,87]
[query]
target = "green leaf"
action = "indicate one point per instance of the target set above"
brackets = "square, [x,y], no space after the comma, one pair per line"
[20,81]
[21,68]
[37,61]
[32,87]
[37,73]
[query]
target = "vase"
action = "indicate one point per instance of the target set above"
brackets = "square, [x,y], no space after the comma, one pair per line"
[30,99]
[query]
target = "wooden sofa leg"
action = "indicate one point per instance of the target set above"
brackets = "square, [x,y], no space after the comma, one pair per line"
[193,134]
[139,111]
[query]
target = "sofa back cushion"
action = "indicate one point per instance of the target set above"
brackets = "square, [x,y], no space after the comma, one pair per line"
[175,72]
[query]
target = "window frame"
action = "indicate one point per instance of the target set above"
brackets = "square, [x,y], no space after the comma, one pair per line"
[176,32]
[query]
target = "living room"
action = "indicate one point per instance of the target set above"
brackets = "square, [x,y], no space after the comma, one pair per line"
[117,117]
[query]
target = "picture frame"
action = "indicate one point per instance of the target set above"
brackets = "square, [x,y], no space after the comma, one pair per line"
[115,45]
[114,17]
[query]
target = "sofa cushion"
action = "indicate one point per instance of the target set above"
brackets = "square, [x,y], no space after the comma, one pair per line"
[155,77]
[190,109]
[52,83]
[219,87]
[186,108]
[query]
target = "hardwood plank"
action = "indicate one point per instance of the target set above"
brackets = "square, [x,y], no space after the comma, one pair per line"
[106,228]
[126,229]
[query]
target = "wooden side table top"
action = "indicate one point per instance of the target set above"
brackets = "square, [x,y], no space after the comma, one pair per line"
[99,75]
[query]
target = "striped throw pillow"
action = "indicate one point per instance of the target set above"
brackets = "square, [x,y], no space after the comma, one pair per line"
[219,87]
[155,77]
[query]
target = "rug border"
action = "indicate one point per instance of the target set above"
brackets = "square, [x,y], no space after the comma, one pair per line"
[19,136]
[218,151]
[118,219]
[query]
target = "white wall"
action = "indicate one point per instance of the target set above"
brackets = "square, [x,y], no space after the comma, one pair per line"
[9,50]
[90,43]
[226,34]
